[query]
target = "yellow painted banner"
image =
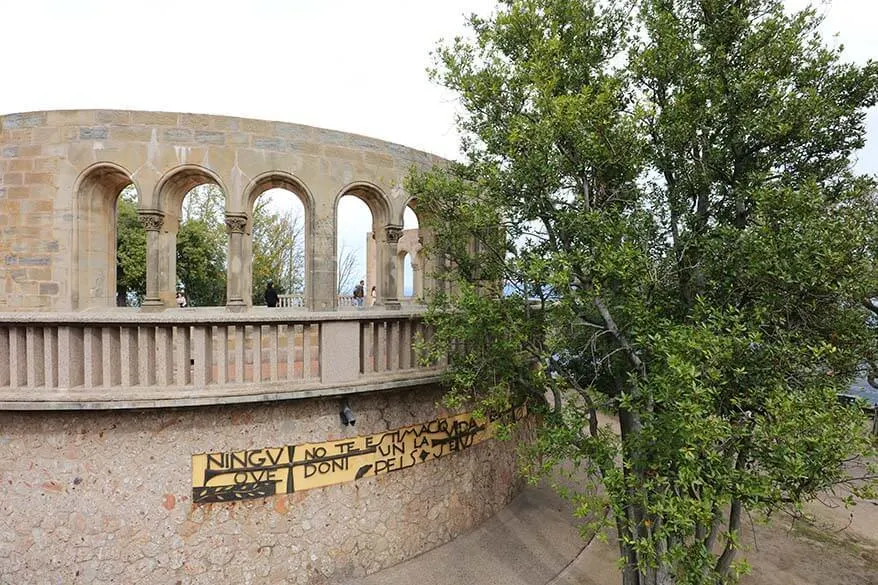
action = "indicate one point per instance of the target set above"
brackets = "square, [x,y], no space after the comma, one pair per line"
[258,473]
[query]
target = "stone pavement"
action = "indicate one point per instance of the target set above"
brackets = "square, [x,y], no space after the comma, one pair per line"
[535,540]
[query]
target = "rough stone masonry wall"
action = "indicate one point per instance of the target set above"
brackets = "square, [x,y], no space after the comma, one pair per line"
[105,497]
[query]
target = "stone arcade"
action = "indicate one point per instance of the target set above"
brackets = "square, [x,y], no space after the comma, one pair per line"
[110,416]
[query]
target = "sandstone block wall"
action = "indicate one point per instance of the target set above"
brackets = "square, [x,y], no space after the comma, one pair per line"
[60,172]
[105,497]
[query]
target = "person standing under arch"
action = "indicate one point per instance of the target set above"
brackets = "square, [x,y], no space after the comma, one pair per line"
[270,295]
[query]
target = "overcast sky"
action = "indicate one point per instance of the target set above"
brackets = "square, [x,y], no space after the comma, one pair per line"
[351,65]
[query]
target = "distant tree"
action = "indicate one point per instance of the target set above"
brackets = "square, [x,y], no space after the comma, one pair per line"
[201,262]
[206,203]
[201,246]
[278,250]
[673,180]
[348,269]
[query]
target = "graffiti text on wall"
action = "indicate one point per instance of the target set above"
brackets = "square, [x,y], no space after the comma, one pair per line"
[257,473]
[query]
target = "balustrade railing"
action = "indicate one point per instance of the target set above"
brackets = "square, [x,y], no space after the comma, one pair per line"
[190,354]
[291,301]
[344,301]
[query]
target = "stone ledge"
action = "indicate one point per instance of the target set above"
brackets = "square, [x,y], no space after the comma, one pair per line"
[104,399]
[218,315]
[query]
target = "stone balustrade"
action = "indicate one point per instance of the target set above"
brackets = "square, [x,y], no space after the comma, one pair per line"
[291,301]
[124,358]
[297,301]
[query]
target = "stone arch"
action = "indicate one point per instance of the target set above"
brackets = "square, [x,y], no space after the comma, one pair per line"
[410,202]
[288,181]
[170,191]
[412,242]
[410,246]
[385,260]
[177,182]
[94,263]
[373,196]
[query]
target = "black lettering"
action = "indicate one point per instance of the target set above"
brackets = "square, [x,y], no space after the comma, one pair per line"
[237,460]
[255,458]
[384,465]
[392,449]
[276,459]
[345,447]
[216,461]
[315,453]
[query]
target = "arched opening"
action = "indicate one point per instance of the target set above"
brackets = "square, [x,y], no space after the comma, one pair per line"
[362,213]
[279,244]
[95,276]
[354,258]
[410,268]
[193,243]
[130,251]
[201,248]
[406,285]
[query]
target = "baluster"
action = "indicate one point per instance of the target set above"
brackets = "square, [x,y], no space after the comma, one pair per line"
[222,358]
[17,357]
[71,356]
[292,335]
[257,353]
[183,358]
[147,354]
[128,357]
[203,342]
[393,345]
[307,348]
[164,341]
[35,357]
[112,357]
[405,344]
[94,368]
[365,347]
[239,353]
[5,357]
[380,346]
[273,350]
[50,351]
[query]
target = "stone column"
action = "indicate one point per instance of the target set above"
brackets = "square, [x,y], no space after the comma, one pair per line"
[152,221]
[417,280]
[387,252]
[321,289]
[236,223]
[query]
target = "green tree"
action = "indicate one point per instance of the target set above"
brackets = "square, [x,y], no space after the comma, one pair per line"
[278,251]
[130,247]
[201,246]
[201,262]
[684,246]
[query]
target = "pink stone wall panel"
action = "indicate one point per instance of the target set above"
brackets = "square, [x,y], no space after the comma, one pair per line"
[105,497]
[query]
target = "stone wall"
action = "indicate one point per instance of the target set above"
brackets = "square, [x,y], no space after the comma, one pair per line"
[61,171]
[105,497]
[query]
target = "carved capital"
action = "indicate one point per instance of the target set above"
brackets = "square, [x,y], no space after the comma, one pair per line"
[236,224]
[151,219]
[393,233]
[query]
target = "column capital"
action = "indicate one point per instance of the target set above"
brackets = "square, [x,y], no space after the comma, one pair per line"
[393,233]
[236,223]
[151,219]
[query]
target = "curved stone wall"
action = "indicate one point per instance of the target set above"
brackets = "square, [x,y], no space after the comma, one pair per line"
[61,171]
[105,497]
